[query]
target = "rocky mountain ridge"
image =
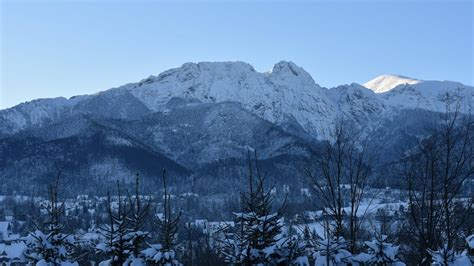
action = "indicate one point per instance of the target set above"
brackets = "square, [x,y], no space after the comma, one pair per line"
[200,119]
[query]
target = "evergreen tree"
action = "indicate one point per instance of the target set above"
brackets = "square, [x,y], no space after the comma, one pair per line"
[50,246]
[165,252]
[116,244]
[257,229]
[291,250]
[138,214]
[332,251]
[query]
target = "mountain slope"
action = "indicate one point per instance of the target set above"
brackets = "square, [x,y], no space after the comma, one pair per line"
[430,95]
[200,120]
[197,133]
[90,155]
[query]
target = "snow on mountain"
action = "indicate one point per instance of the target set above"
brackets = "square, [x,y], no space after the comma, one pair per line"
[430,95]
[399,92]
[385,83]
[194,133]
[284,93]
[359,105]
[35,113]
[356,101]
[287,96]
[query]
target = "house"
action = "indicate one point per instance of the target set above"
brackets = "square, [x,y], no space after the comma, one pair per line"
[5,231]
[216,227]
[202,224]
[82,197]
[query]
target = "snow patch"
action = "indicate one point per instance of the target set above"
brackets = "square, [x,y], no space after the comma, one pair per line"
[385,83]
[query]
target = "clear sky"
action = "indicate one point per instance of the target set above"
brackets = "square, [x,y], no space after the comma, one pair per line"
[66,48]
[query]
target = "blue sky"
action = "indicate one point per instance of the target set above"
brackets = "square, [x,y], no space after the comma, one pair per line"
[66,48]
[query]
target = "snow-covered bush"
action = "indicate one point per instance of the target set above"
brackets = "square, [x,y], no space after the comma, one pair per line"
[380,252]
[470,242]
[254,239]
[50,249]
[158,255]
[449,257]
[289,251]
[330,252]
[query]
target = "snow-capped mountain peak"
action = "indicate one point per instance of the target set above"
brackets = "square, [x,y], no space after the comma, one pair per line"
[285,95]
[285,91]
[385,83]
[287,67]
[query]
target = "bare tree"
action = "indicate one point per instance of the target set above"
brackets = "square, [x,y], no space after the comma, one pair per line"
[344,167]
[423,192]
[435,172]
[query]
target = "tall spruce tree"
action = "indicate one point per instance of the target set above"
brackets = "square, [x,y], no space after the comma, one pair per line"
[258,229]
[49,245]
[165,252]
[136,219]
[116,245]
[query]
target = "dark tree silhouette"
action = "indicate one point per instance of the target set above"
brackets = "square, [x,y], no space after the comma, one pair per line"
[341,175]
[435,172]
[138,214]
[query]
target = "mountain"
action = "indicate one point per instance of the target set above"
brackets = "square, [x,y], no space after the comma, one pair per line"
[285,93]
[385,83]
[429,95]
[406,93]
[199,120]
